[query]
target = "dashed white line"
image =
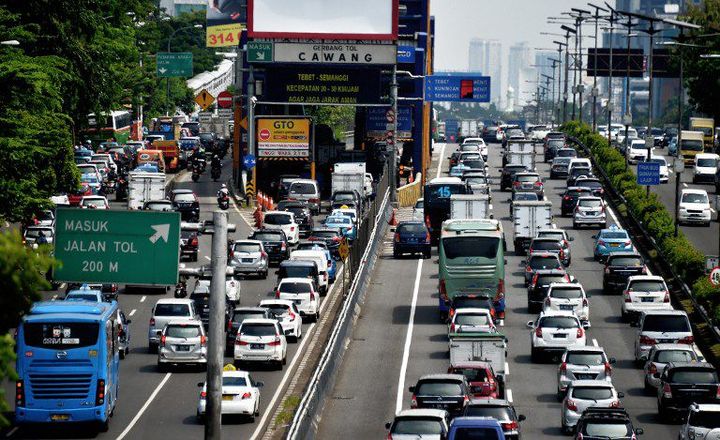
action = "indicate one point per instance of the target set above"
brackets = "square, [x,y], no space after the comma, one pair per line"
[143,298]
[62,286]
[408,340]
[507,369]
[440,160]
[11,432]
[612,214]
[54,297]
[208,258]
[132,312]
[685,185]
[595,343]
[144,407]
[508,395]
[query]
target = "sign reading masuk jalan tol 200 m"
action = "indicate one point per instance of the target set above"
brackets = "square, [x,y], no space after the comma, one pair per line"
[103,246]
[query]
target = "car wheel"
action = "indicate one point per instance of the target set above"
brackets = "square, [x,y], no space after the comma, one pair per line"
[122,354]
[396,254]
[264,275]
[161,367]
[648,388]
[575,226]
[624,316]
[534,355]
[195,257]
[200,418]
[252,418]
[426,254]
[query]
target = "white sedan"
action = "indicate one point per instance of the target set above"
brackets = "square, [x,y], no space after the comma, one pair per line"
[240,395]
[694,207]
[555,331]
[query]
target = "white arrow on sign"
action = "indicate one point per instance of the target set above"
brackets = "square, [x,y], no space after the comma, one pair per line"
[161,231]
[260,55]
[162,70]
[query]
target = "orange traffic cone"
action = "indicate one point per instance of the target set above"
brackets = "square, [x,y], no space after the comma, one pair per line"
[258,214]
[393,219]
[271,204]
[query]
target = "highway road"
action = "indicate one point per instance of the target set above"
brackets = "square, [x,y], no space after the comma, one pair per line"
[399,338]
[155,405]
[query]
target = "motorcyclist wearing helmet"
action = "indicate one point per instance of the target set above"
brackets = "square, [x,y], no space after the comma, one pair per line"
[215,162]
[223,192]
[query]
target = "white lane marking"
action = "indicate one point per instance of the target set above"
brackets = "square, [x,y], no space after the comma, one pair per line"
[508,395]
[281,387]
[54,297]
[11,432]
[144,407]
[612,214]
[440,160]
[408,340]
[507,369]
[62,286]
[595,343]
[685,185]
[235,207]
[208,258]
[712,210]
[143,298]
[132,312]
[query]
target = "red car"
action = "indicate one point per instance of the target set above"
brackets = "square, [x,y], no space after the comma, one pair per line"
[480,377]
[74,197]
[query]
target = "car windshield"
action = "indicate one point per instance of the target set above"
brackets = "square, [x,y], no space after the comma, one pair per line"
[460,302]
[246,247]
[80,297]
[277,309]
[589,183]
[277,219]
[475,433]
[691,145]
[437,388]
[626,261]
[710,163]
[566,293]
[35,232]
[607,429]
[338,220]
[542,245]
[470,147]
[558,322]
[591,203]
[666,324]
[667,356]
[159,206]
[592,393]
[525,196]
[475,180]
[473,374]
[184,198]
[172,310]
[581,171]
[293,287]
[234,381]
[496,412]
[302,188]
[417,426]
[661,161]
[705,419]
[561,161]
[343,196]
[298,211]
[239,317]
[544,262]
[577,193]
[566,152]
[258,330]
[419,204]
[474,163]
[472,319]
[613,235]
[298,271]
[552,234]
[182,331]
[482,247]
[412,228]
[584,358]
[647,286]
[694,376]
[527,178]
[267,236]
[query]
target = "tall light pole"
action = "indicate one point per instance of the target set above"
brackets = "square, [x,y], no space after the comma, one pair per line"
[560,50]
[610,103]
[578,39]
[595,90]
[172,34]
[568,30]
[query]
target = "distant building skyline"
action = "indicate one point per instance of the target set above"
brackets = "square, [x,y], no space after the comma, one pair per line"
[485,56]
[518,60]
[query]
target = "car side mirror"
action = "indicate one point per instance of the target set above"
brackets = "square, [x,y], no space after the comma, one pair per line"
[571,238]
[129,321]
[388,425]
[521,418]
[621,395]
[259,384]
[612,361]
[639,431]
[594,236]
[586,325]
[529,324]
[200,384]
[411,389]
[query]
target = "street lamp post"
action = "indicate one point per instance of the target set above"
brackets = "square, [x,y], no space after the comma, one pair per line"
[560,50]
[610,103]
[594,90]
[578,39]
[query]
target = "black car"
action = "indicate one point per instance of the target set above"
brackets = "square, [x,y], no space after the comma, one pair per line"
[411,237]
[551,148]
[605,423]
[282,184]
[593,183]
[303,216]
[441,391]
[538,287]
[189,245]
[570,198]
[274,242]
[240,314]
[201,298]
[683,383]
[340,198]
[330,236]
[194,127]
[508,173]
[500,410]
[209,142]
[619,267]
[187,204]
[566,152]
[489,134]
[578,172]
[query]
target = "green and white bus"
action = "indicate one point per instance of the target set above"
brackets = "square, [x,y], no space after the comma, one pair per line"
[115,125]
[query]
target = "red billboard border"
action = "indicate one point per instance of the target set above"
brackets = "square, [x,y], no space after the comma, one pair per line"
[389,37]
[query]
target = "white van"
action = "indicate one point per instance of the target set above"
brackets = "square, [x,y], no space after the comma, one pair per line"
[320,259]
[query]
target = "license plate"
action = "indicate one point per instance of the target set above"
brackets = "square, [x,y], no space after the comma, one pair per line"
[560,336]
[246,260]
[585,376]
[297,301]
[566,307]
[257,346]
[647,299]
[228,397]
[664,341]
[59,417]
[614,244]
[182,348]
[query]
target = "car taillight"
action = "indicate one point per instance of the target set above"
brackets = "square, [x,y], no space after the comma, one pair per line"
[547,301]
[283,246]
[687,340]
[292,228]
[291,316]
[717,392]
[163,338]
[239,341]
[152,322]
[644,340]
[608,368]
[562,254]
[666,298]
[19,393]
[314,200]
[452,328]
[427,237]
[538,183]
[615,404]
[277,294]
[203,394]
[628,243]
[567,198]
[229,326]
[607,269]
[580,333]
[667,391]
[500,292]
[601,243]
[644,270]
[538,332]
[312,296]
[336,239]
[275,342]
[528,269]
[652,369]
[563,367]
[413,401]
[389,436]
[570,404]
[427,221]
[626,296]
[263,255]
[397,237]
[512,426]
[516,183]
[113,288]
[442,290]
[203,340]
[194,242]
[100,393]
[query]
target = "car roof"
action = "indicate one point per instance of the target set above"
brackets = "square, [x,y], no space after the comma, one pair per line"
[249,309]
[703,365]
[591,383]
[471,365]
[589,198]
[645,278]
[675,347]
[439,180]
[714,407]
[665,312]
[248,241]
[707,156]
[585,348]
[548,313]
[490,402]
[693,191]
[297,263]
[422,412]
[474,310]
[442,376]
[624,254]
[283,302]
[296,280]
[259,321]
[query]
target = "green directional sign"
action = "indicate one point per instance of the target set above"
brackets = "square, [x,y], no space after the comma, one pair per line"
[129,247]
[174,64]
[259,52]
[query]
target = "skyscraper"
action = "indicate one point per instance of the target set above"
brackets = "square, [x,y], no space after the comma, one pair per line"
[484,56]
[518,60]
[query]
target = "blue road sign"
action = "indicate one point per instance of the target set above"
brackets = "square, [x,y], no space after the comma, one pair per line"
[377,120]
[249,161]
[648,173]
[406,54]
[457,88]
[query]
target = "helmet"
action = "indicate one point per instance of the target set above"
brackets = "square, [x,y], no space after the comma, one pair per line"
[223,186]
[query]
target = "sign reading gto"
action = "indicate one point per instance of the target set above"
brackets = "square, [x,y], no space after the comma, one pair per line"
[335,53]
[283,137]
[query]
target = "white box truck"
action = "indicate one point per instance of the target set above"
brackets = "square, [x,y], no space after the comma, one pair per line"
[350,176]
[470,206]
[528,218]
[143,187]
[488,347]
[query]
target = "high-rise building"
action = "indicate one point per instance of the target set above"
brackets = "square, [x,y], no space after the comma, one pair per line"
[485,56]
[177,7]
[518,59]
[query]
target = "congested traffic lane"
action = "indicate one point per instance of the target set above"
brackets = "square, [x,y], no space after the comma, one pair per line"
[410,288]
[154,404]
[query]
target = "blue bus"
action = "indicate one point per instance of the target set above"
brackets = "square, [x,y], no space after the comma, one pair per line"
[67,363]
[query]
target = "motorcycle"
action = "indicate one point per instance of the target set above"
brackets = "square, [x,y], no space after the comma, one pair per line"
[195,176]
[215,173]
[223,202]
[121,190]
[109,186]
[181,290]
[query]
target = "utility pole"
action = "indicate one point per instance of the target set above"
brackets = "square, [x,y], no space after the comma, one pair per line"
[394,161]
[595,90]
[578,39]
[652,30]
[610,75]
[251,122]
[216,334]
[559,87]
[627,117]
[568,30]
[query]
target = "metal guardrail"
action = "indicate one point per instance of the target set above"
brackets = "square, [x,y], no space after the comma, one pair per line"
[360,262]
[408,194]
[680,289]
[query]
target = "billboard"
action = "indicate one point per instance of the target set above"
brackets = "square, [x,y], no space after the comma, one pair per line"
[334,53]
[225,22]
[283,137]
[328,85]
[330,19]
[625,63]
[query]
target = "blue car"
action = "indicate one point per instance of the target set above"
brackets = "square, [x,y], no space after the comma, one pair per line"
[92,181]
[344,224]
[672,147]
[458,170]
[612,239]
[411,237]
[469,427]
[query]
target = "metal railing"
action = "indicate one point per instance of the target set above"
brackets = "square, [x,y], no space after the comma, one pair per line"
[360,260]
[408,194]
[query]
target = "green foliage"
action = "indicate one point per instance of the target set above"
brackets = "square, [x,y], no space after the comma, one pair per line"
[7,373]
[338,118]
